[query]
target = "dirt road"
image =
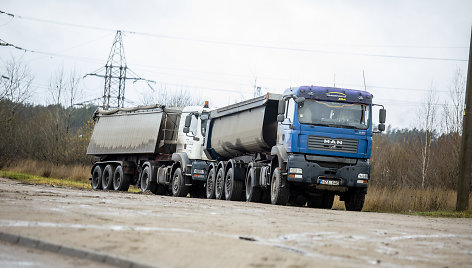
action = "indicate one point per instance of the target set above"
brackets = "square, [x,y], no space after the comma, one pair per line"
[182,232]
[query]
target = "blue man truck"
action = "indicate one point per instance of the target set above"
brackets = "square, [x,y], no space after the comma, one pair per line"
[302,147]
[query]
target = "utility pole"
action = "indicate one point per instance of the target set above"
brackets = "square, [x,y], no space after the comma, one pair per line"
[257,90]
[115,75]
[465,164]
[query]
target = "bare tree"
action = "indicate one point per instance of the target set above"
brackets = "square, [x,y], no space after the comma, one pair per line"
[453,110]
[16,81]
[63,91]
[165,97]
[15,89]
[427,120]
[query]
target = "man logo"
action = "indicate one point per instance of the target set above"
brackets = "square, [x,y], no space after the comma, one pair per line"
[340,96]
[332,142]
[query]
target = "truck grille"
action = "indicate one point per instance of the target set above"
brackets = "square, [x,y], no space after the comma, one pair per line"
[334,145]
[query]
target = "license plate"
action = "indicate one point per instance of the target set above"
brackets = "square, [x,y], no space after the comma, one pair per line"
[329,182]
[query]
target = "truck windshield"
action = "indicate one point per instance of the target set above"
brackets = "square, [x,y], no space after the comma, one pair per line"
[334,114]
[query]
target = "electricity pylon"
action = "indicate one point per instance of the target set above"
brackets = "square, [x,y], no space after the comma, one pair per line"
[115,75]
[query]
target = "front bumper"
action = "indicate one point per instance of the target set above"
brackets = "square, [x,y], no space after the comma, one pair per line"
[344,174]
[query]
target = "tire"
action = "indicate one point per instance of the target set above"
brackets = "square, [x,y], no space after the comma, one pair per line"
[315,201]
[328,200]
[253,194]
[219,184]
[120,180]
[323,200]
[156,188]
[145,179]
[210,184]
[233,188]
[178,184]
[354,200]
[280,191]
[107,177]
[298,200]
[265,196]
[97,178]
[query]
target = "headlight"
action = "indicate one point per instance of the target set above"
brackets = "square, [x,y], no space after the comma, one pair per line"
[199,171]
[296,170]
[363,176]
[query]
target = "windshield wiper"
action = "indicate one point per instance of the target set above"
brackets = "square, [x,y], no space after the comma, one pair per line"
[348,126]
[323,125]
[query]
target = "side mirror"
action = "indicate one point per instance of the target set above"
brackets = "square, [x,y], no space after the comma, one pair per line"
[281,109]
[280,118]
[188,120]
[382,116]
[381,127]
[299,99]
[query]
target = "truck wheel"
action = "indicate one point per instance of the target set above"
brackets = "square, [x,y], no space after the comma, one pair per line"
[354,200]
[219,184]
[265,196]
[298,200]
[233,188]
[279,189]
[178,184]
[210,184]
[156,188]
[253,194]
[315,201]
[328,200]
[107,177]
[97,178]
[145,179]
[120,180]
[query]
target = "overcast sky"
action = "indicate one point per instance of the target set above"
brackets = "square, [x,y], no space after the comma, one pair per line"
[217,49]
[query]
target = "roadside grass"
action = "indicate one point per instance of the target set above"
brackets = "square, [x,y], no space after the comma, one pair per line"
[34,179]
[444,214]
[407,200]
[430,202]
[49,170]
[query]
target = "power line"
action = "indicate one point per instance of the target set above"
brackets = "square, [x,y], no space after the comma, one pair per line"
[239,44]
[90,27]
[148,67]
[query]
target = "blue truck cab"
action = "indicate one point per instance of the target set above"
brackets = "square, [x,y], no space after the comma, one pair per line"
[327,135]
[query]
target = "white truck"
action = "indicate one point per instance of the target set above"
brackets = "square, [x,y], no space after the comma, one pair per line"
[146,146]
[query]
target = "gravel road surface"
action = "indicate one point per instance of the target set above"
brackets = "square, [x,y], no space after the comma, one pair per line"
[165,231]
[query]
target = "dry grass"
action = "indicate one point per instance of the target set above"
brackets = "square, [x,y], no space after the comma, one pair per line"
[27,178]
[49,170]
[407,200]
[404,200]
